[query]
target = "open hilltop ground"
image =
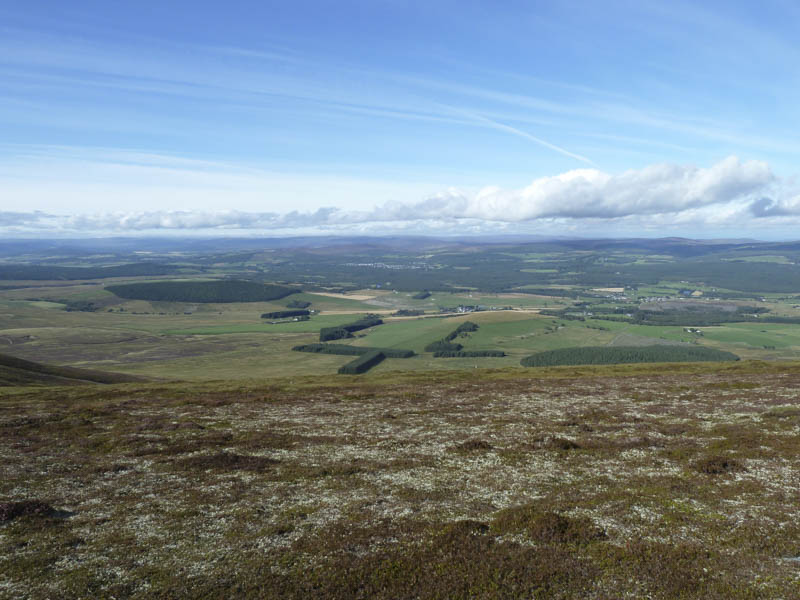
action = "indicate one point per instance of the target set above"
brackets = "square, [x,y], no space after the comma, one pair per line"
[172,424]
[601,482]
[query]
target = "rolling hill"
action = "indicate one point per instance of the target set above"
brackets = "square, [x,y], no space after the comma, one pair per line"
[19,372]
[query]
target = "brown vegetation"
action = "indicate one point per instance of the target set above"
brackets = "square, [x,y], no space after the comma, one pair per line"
[488,485]
[24,508]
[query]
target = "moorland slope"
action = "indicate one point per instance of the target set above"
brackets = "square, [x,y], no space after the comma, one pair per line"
[19,372]
[658,481]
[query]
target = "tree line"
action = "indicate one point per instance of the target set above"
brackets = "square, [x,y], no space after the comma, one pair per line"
[363,363]
[446,344]
[447,348]
[609,355]
[468,354]
[327,334]
[285,314]
[346,349]
[221,291]
[47,272]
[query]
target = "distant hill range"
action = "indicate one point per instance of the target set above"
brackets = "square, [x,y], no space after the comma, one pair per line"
[124,247]
[19,372]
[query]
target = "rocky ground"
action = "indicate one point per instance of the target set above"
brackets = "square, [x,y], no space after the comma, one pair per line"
[636,482]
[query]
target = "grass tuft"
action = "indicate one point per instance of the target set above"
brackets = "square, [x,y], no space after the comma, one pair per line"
[718,465]
[547,527]
[474,446]
[24,508]
[227,461]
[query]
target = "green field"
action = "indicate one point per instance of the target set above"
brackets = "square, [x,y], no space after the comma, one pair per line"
[232,341]
[206,341]
[312,325]
[496,300]
[765,258]
[328,303]
[244,356]
[753,337]
[413,334]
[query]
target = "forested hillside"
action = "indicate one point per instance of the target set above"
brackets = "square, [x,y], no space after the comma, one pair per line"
[46,272]
[605,355]
[202,291]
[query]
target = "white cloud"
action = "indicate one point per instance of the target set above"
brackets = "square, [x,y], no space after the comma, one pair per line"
[589,193]
[770,207]
[656,198]
[16,219]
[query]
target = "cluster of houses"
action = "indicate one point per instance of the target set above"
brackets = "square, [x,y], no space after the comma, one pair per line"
[395,267]
[470,308]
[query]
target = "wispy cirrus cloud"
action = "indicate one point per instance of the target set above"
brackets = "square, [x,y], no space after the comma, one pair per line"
[254,81]
[481,119]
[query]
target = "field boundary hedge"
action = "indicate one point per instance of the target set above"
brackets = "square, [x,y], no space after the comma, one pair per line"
[443,346]
[339,332]
[469,354]
[446,344]
[363,363]
[285,314]
[346,350]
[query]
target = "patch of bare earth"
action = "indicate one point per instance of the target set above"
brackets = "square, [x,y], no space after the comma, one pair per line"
[660,486]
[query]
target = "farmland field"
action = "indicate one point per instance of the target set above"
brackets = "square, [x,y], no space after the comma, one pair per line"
[526,298]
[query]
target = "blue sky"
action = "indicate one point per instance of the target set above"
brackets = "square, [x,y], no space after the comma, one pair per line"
[567,118]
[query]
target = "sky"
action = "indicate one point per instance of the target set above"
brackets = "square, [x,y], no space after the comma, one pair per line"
[569,118]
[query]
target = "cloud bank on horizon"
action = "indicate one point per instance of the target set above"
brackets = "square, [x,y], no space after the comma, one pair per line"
[656,199]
